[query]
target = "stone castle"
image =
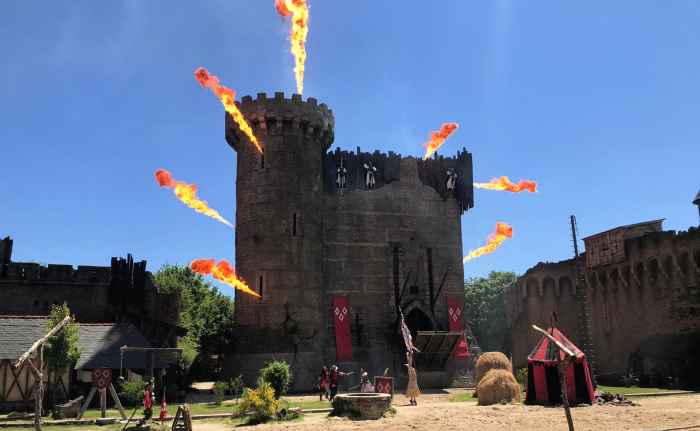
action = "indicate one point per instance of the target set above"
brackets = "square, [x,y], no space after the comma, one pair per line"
[381,230]
[642,298]
[123,292]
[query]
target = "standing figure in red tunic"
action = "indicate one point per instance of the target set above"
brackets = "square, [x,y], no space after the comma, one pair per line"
[334,380]
[324,384]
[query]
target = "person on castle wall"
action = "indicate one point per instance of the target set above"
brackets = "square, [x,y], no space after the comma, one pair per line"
[340,175]
[369,175]
[412,391]
[324,386]
[334,380]
[451,179]
[365,385]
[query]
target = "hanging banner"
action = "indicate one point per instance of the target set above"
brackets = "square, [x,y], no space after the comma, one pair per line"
[454,315]
[341,316]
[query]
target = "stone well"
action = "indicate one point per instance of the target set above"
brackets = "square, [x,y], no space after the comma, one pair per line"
[369,406]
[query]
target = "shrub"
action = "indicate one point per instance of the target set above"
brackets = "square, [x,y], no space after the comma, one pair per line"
[132,393]
[237,386]
[184,365]
[279,376]
[219,390]
[260,402]
[521,377]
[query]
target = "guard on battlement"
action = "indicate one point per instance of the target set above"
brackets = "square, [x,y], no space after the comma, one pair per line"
[451,179]
[369,175]
[340,175]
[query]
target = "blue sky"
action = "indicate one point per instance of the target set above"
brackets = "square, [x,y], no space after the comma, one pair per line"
[598,103]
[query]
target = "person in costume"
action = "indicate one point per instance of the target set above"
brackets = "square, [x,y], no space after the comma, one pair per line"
[334,380]
[412,391]
[365,385]
[323,384]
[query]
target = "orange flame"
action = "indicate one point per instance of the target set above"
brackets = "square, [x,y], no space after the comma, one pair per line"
[300,28]
[503,231]
[222,271]
[504,183]
[437,138]
[227,97]
[187,194]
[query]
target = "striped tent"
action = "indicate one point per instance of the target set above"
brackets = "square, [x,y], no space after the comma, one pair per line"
[543,378]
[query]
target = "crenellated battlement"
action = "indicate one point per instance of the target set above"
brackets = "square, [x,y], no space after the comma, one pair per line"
[660,261]
[31,272]
[432,172]
[277,115]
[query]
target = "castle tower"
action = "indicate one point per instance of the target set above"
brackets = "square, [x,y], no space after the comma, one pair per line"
[279,229]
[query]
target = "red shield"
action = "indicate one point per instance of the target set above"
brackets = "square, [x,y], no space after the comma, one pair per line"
[101,377]
[384,385]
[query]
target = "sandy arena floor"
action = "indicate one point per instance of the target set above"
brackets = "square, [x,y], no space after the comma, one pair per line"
[434,412]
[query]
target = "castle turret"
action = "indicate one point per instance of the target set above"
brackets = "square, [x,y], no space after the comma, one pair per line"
[279,225]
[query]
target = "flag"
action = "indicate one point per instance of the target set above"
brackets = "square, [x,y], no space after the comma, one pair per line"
[163,410]
[406,336]
[147,400]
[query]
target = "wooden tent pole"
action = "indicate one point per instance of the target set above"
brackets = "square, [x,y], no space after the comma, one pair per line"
[562,366]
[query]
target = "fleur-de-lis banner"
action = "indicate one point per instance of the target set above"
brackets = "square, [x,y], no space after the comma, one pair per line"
[341,316]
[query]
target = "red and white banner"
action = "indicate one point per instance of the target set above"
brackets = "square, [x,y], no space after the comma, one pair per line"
[384,385]
[454,315]
[341,316]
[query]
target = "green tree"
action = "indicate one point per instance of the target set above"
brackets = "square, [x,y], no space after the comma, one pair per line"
[205,312]
[279,375]
[486,309]
[61,350]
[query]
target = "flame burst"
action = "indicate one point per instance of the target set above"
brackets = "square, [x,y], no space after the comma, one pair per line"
[187,194]
[504,183]
[437,138]
[503,231]
[227,97]
[300,28]
[222,271]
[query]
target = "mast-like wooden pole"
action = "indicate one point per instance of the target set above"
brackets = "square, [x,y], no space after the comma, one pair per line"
[41,341]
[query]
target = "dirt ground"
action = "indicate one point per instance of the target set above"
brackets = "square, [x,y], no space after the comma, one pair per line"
[435,412]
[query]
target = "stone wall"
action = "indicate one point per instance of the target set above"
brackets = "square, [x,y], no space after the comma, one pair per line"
[31,289]
[655,290]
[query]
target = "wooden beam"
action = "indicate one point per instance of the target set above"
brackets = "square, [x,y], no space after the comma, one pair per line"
[552,339]
[34,370]
[433,301]
[41,341]
[562,366]
[403,290]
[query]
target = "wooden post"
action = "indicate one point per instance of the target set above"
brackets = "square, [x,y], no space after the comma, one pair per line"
[103,402]
[41,341]
[116,400]
[562,366]
[39,390]
[87,402]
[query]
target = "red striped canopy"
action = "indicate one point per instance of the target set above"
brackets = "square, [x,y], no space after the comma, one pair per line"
[545,350]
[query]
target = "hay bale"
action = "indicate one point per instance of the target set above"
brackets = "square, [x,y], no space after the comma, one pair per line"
[498,385]
[491,361]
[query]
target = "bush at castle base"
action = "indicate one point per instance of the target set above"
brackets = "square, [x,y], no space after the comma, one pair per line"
[260,403]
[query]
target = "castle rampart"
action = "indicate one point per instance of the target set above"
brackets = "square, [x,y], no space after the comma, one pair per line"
[654,290]
[94,294]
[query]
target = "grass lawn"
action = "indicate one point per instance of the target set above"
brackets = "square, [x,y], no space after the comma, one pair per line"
[305,405]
